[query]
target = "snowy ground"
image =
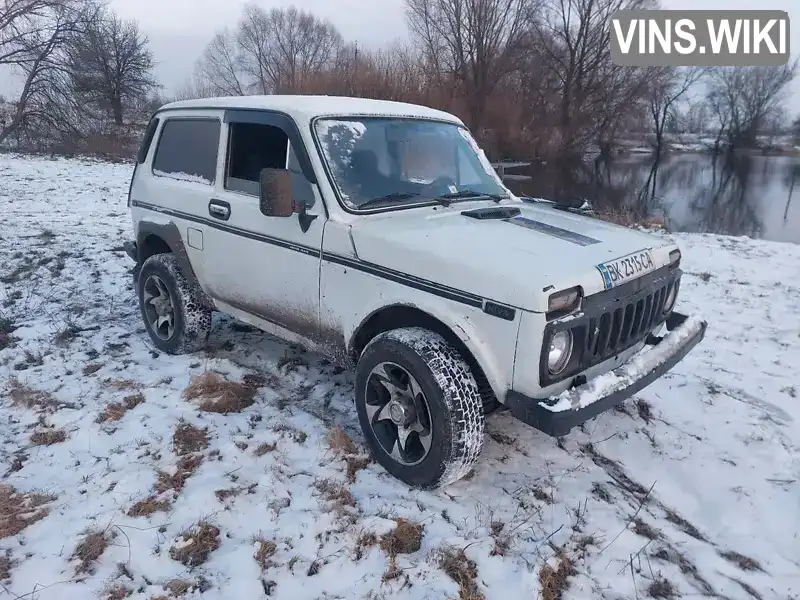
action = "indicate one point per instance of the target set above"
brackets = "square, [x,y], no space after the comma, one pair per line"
[693,489]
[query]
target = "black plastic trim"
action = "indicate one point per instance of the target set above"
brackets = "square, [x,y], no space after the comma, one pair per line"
[529,410]
[595,306]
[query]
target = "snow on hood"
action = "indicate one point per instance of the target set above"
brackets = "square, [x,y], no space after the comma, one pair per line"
[512,263]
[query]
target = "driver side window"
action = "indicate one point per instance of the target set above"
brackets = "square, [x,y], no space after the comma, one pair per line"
[255,146]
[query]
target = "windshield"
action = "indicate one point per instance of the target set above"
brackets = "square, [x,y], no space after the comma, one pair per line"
[382,162]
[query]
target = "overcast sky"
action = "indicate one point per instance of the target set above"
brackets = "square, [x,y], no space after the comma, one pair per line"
[180,29]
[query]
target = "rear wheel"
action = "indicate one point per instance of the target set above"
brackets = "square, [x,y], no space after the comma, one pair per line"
[419,407]
[171,307]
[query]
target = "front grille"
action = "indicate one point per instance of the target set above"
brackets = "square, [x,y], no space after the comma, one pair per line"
[611,322]
[619,329]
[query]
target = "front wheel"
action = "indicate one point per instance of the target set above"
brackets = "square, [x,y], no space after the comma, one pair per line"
[419,407]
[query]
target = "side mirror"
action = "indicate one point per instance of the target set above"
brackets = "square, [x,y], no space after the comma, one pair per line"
[275,194]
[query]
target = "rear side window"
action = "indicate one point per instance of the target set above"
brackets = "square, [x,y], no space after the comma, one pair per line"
[144,148]
[187,150]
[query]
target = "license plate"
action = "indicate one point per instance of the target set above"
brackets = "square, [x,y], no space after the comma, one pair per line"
[621,270]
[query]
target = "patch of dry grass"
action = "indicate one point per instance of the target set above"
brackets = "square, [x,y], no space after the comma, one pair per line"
[628,217]
[149,506]
[123,384]
[406,538]
[20,509]
[555,581]
[463,571]
[91,369]
[196,544]
[298,435]
[175,481]
[188,439]
[644,529]
[364,542]
[745,563]
[91,548]
[341,443]
[218,395]
[117,592]
[336,494]
[6,564]
[343,446]
[179,587]
[266,550]
[117,410]
[661,588]
[264,448]
[48,437]
[23,396]
[501,539]
[356,464]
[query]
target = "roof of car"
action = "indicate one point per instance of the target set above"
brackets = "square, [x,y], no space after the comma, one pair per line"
[308,107]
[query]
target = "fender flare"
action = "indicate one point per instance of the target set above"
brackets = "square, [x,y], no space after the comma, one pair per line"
[459,325]
[169,233]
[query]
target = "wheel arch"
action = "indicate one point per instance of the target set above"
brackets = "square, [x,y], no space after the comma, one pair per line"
[163,238]
[397,316]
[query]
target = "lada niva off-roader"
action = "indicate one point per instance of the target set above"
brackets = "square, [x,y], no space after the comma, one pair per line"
[378,234]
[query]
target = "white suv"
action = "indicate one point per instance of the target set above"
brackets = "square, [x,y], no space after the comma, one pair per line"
[378,234]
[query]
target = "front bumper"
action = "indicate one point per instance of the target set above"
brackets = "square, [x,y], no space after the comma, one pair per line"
[558,416]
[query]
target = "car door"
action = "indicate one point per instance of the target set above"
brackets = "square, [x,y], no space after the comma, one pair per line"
[174,194]
[260,266]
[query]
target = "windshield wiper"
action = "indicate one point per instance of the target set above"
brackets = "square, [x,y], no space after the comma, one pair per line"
[388,198]
[472,194]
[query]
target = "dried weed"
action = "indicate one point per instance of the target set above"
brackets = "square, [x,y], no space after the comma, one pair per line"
[555,581]
[196,544]
[406,538]
[266,550]
[188,439]
[462,570]
[48,437]
[91,548]
[20,509]
[218,395]
[149,506]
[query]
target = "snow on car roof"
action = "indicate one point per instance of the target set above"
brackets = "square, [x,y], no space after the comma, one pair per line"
[308,107]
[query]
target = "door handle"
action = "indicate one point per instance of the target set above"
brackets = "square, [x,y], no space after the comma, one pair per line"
[219,210]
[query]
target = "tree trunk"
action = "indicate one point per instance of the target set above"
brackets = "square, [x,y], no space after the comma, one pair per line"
[116,107]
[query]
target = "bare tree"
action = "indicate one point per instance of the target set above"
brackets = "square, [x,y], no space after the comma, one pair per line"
[668,87]
[743,99]
[32,35]
[274,51]
[110,64]
[220,69]
[574,43]
[473,44]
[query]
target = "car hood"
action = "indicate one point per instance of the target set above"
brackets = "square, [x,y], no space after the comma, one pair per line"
[518,260]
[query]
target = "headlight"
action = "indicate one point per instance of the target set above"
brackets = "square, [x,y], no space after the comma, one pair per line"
[560,352]
[564,302]
[674,258]
[672,295]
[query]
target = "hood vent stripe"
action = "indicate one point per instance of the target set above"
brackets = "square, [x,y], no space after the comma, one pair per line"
[553,231]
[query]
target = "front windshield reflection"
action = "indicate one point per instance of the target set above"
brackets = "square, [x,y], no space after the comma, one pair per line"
[384,162]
